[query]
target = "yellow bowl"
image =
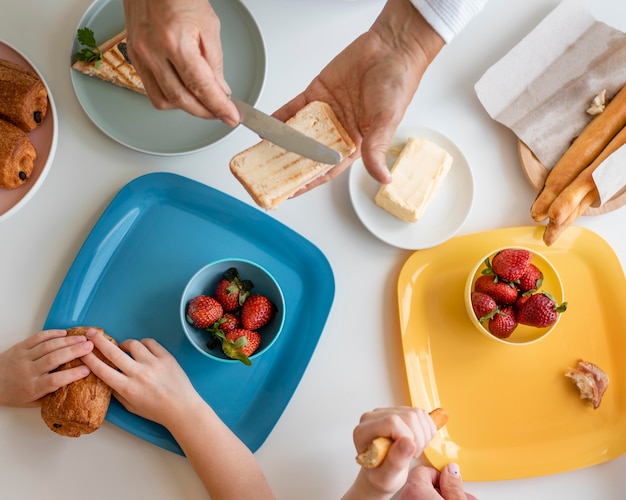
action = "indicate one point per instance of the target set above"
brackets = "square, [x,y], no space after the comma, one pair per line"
[523,334]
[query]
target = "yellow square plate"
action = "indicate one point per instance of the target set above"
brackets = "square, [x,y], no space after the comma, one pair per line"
[513,413]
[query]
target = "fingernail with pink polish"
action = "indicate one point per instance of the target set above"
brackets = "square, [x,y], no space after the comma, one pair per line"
[454,469]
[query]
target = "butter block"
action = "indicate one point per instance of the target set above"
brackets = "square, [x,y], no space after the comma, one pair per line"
[416,175]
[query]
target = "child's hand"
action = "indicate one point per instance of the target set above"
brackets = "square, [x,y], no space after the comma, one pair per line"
[427,483]
[410,429]
[148,375]
[26,369]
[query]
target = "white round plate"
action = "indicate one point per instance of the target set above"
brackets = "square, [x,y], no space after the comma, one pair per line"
[443,217]
[44,138]
[130,119]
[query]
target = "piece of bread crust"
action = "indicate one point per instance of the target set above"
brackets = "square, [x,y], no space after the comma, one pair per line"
[272,174]
[80,407]
[377,450]
[115,66]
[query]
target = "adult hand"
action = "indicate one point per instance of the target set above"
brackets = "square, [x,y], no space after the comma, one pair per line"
[371,83]
[426,483]
[176,49]
[410,429]
[27,369]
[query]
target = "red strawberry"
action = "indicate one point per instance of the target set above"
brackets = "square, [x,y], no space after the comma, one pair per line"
[503,323]
[521,300]
[257,311]
[531,279]
[484,306]
[203,311]
[510,264]
[540,310]
[228,322]
[503,293]
[231,291]
[240,344]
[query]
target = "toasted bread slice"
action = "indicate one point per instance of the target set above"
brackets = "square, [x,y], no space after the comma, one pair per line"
[272,174]
[115,66]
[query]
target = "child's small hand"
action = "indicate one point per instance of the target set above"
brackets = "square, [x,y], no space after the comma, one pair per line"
[427,483]
[410,429]
[27,369]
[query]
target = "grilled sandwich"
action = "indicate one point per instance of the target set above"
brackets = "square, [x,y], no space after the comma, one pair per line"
[272,174]
[115,66]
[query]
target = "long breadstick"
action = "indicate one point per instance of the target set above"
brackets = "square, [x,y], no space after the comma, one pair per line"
[554,230]
[377,450]
[585,148]
[571,197]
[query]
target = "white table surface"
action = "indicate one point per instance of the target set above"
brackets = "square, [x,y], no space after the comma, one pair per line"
[358,363]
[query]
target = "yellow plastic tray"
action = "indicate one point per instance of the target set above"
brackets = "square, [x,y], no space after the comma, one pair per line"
[513,413]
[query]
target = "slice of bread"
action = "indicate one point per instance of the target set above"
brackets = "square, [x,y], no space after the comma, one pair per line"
[115,66]
[272,174]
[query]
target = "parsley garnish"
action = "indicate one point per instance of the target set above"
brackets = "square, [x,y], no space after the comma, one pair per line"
[90,51]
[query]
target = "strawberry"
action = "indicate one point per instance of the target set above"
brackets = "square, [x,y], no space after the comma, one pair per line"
[503,323]
[521,300]
[531,279]
[240,344]
[257,311]
[231,291]
[484,306]
[203,311]
[228,322]
[540,310]
[510,264]
[503,293]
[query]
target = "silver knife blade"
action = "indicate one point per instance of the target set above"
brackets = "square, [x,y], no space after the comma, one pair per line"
[281,134]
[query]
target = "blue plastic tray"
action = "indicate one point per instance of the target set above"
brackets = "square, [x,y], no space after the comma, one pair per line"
[129,275]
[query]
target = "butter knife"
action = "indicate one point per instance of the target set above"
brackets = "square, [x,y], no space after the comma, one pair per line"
[281,134]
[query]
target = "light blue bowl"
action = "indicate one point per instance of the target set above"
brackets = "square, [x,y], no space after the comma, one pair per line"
[203,283]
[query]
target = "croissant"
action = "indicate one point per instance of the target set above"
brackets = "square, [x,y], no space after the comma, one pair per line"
[80,407]
[23,96]
[17,156]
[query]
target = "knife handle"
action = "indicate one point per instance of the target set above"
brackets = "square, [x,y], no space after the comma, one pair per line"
[377,450]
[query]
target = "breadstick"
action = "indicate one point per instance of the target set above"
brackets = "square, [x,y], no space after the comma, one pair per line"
[377,450]
[567,201]
[585,148]
[554,230]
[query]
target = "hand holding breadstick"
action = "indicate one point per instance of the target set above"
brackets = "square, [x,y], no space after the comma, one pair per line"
[377,450]
[584,150]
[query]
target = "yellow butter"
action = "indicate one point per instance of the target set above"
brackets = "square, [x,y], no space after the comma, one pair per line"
[416,174]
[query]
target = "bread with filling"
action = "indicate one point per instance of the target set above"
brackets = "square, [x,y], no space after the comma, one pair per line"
[80,407]
[115,66]
[23,96]
[17,156]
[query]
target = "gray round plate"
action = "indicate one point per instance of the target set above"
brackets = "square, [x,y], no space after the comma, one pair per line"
[130,119]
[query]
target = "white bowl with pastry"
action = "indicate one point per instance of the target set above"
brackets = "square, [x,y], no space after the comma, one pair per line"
[425,206]
[28,130]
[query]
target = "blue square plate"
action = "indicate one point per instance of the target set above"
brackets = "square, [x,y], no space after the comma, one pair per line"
[129,275]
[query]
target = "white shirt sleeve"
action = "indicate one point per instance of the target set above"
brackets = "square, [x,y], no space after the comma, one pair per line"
[448,17]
